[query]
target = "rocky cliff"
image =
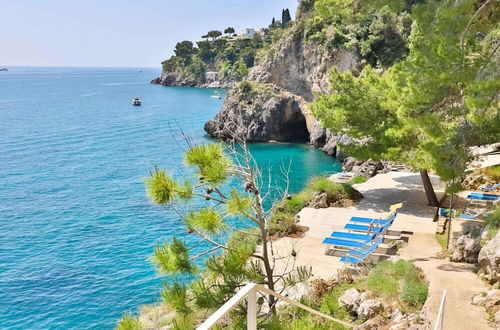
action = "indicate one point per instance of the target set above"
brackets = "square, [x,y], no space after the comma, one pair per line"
[273,102]
[209,79]
[300,66]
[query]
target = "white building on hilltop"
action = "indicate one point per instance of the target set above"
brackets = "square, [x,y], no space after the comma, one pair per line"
[248,33]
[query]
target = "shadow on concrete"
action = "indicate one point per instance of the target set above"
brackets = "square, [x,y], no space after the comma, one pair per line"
[373,198]
[458,267]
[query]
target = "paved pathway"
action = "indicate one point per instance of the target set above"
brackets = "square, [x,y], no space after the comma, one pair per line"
[415,218]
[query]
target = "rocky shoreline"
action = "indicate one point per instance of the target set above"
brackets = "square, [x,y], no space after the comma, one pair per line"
[208,80]
[272,104]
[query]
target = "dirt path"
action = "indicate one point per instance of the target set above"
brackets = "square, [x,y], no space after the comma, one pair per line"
[459,279]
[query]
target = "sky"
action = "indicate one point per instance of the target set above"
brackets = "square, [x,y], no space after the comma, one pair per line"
[118,33]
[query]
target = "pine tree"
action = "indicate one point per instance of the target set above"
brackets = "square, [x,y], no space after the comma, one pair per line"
[428,109]
[228,212]
[285,18]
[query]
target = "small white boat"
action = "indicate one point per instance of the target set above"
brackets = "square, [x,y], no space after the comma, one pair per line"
[4,69]
[215,96]
[136,101]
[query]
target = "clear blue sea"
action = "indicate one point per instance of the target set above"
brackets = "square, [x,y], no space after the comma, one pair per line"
[76,227]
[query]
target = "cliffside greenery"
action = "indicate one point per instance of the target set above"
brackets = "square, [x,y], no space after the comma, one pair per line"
[429,108]
[226,53]
[378,35]
[232,222]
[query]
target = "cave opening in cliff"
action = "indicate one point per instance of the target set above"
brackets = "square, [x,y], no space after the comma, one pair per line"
[295,129]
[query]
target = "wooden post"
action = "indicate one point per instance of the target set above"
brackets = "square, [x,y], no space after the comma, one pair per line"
[252,309]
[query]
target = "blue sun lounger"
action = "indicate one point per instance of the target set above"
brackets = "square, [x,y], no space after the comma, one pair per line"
[490,188]
[374,220]
[479,194]
[376,228]
[484,197]
[472,214]
[353,236]
[362,228]
[356,255]
[342,243]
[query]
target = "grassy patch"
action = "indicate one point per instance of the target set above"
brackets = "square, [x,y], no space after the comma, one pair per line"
[358,179]
[335,191]
[282,222]
[291,317]
[493,172]
[392,282]
[128,322]
[493,222]
[399,282]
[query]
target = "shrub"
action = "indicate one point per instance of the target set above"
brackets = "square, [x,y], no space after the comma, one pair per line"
[493,172]
[293,205]
[291,317]
[282,224]
[331,305]
[414,293]
[398,281]
[358,179]
[128,322]
[333,189]
[493,222]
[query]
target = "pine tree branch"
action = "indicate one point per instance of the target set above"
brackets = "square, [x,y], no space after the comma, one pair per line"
[208,197]
[203,253]
[217,190]
[241,231]
[469,24]
[210,240]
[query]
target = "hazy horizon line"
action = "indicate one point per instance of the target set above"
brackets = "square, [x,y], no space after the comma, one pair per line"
[78,66]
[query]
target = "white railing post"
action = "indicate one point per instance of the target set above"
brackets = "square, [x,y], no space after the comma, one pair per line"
[249,291]
[440,316]
[252,309]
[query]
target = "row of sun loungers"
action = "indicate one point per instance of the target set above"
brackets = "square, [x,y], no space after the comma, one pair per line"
[362,238]
[478,205]
[490,187]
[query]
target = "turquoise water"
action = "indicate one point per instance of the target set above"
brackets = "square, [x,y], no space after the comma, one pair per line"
[76,227]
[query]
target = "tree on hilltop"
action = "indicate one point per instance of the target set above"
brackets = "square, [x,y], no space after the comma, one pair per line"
[184,49]
[214,34]
[285,18]
[229,30]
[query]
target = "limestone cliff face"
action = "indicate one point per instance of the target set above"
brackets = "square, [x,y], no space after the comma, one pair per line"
[294,73]
[260,113]
[301,67]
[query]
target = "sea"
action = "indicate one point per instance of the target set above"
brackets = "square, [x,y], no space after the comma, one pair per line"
[76,226]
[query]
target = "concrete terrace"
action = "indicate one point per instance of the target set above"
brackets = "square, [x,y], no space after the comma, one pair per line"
[416,220]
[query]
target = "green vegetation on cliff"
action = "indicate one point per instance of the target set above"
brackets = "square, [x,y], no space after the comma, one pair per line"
[378,36]
[429,108]
[228,54]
